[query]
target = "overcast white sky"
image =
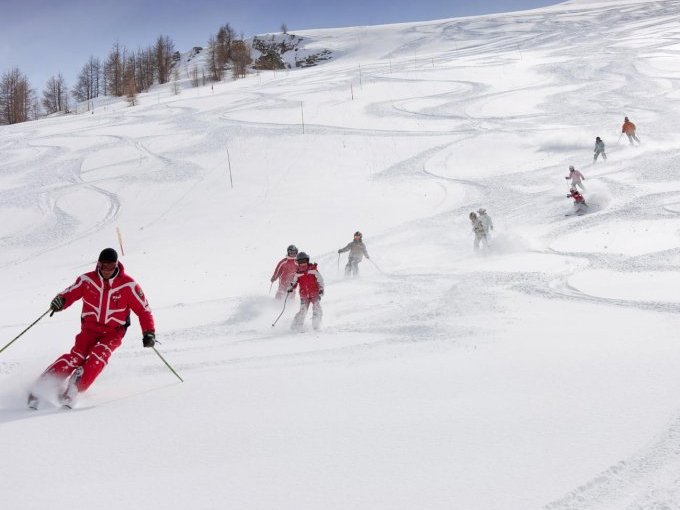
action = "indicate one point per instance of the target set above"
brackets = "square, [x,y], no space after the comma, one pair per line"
[44,37]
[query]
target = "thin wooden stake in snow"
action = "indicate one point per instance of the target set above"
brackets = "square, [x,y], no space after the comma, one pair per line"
[302,113]
[229,163]
[120,241]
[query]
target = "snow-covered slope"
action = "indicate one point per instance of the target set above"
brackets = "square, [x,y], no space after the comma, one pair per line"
[541,374]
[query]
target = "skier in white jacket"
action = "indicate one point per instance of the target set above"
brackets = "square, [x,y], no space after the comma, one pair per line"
[576,178]
[479,231]
[486,222]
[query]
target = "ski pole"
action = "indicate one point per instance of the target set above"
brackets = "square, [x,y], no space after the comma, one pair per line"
[338,263]
[284,308]
[270,288]
[24,331]
[167,364]
[617,141]
[376,266]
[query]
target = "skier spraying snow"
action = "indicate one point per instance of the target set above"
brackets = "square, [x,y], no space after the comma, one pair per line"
[479,231]
[357,251]
[576,178]
[599,149]
[628,128]
[311,289]
[284,271]
[486,222]
[108,295]
[579,202]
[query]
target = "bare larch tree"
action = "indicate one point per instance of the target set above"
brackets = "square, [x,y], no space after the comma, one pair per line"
[16,97]
[55,95]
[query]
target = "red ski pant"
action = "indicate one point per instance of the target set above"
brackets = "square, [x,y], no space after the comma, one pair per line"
[91,351]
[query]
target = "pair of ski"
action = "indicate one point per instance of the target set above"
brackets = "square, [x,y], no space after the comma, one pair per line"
[581,213]
[34,403]
[67,398]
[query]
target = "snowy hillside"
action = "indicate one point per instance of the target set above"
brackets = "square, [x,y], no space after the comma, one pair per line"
[542,373]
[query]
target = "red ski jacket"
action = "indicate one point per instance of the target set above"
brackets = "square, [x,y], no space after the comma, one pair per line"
[285,270]
[310,281]
[628,127]
[107,303]
[576,196]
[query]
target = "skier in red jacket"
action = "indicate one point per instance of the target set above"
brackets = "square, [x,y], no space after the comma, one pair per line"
[579,202]
[108,295]
[284,271]
[311,290]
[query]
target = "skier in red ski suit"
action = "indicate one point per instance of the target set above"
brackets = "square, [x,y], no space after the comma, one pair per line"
[284,272]
[108,295]
[579,202]
[311,290]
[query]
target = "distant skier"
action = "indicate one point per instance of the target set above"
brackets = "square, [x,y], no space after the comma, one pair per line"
[357,251]
[579,202]
[576,178]
[108,295]
[486,222]
[628,129]
[599,149]
[284,271]
[311,289]
[479,231]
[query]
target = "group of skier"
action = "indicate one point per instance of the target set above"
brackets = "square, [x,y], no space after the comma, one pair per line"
[628,128]
[577,179]
[109,294]
[295,271]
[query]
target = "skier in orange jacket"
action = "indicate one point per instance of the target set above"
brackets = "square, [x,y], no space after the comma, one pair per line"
[629,129]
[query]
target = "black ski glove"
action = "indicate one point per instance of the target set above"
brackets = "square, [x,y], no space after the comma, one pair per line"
[57,304]
[149,339]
